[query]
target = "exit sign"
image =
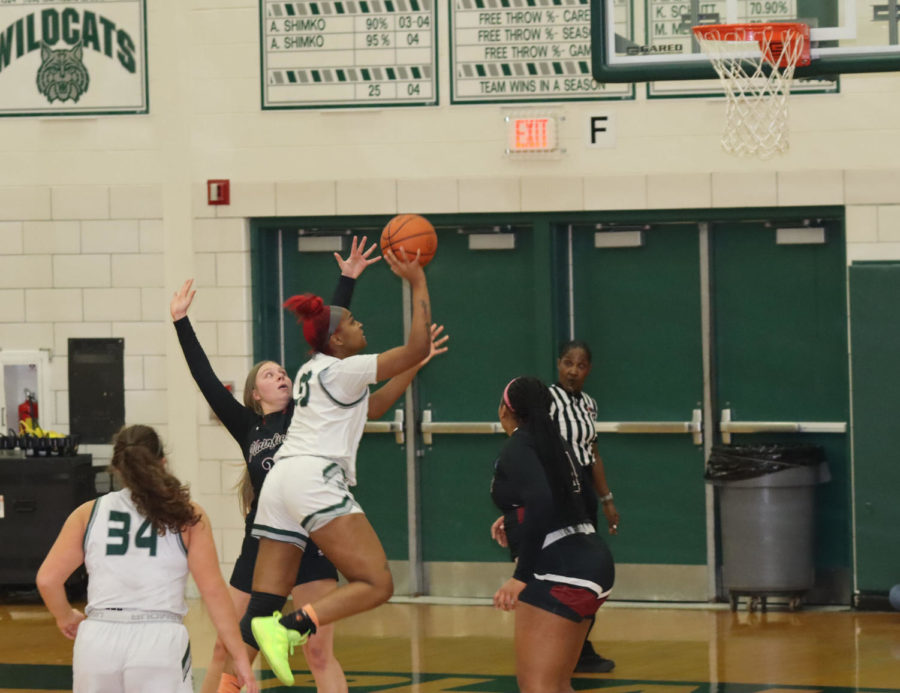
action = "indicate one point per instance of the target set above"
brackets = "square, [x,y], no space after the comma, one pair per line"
[532,134]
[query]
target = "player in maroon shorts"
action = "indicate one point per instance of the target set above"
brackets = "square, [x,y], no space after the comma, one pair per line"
[564,570]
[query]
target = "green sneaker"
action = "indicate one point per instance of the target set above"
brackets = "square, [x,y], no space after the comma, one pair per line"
[277,643]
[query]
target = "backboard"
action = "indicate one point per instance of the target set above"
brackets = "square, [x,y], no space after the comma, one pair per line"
[651,40]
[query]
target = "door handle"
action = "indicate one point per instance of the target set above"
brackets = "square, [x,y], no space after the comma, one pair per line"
[429,427]
[694,426]
[395,427]
[727,426]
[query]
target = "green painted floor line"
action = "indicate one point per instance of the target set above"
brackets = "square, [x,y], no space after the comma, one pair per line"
[54,677]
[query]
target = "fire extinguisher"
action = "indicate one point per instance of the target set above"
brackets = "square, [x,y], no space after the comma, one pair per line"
[29,409]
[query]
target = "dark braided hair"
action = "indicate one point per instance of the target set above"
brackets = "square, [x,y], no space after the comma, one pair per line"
[159,496]
[529,400]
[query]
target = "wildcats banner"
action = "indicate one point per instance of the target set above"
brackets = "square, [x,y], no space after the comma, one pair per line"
[72,57]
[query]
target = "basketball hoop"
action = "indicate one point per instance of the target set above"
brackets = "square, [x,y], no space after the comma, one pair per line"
[755,63]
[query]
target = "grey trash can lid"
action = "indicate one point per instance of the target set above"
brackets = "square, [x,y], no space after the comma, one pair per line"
[740,462]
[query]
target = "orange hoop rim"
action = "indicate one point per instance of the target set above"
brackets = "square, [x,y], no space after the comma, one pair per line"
[754,31]
[764,33]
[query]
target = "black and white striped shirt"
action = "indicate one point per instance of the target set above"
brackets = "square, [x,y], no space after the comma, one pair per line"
[575,414]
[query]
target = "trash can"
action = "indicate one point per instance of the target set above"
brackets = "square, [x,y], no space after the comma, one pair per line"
[766,499]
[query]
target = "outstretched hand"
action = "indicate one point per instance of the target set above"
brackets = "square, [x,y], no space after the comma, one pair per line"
[405,266]
[357,260]
[181,301]
[437,343]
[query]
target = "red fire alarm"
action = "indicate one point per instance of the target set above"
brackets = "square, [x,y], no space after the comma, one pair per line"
[217,192]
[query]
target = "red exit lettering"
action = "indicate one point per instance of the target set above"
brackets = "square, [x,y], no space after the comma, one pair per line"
[532,133]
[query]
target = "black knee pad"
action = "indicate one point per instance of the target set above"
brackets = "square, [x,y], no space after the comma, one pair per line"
[261,604]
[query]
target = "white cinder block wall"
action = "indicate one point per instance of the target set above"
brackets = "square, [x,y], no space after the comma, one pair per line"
[101,219]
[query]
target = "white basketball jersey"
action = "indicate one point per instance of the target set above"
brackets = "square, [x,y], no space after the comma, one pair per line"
[129,565]
[331,405]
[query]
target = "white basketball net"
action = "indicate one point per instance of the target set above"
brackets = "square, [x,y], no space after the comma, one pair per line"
[757,75]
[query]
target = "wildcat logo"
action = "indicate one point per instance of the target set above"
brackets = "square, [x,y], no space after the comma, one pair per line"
[62,74]
[86,30]
[72,56]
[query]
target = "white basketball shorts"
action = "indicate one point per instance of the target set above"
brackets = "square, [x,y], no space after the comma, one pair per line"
[300,495]
[149,657]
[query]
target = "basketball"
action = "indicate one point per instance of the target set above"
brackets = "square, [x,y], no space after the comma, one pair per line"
[412,233]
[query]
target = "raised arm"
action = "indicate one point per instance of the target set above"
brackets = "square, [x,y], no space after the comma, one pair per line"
[384,397]
[230,412]
[204,566]
[64,557]
[399,359]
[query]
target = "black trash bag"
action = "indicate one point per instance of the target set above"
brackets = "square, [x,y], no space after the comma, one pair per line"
[739,462]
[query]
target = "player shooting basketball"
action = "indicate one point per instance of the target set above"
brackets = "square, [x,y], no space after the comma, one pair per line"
[307,492]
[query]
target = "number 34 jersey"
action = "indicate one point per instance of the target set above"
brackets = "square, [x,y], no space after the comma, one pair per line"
[129,565]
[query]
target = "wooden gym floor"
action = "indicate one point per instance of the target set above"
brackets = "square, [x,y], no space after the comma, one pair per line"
[427,648]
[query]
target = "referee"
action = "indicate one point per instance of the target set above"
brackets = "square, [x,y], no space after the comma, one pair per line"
[575,412]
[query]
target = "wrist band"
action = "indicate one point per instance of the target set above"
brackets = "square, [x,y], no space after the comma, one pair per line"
[607,498]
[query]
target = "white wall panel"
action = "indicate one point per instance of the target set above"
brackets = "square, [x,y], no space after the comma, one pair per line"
[862,223]
[12,305]
[308,198]
[80,202]
[548,194]
[135,202]
[679,191]
[18,271]
[81,271]
[429,196]
[758,189]
[810,188]
[117,236]
[22,203]
[490,195]
[112,304]
[142,338]
[43,237]
[11,237]
[53,305]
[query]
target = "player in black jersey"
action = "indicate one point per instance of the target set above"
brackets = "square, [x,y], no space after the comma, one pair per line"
[564,570]
[259,427]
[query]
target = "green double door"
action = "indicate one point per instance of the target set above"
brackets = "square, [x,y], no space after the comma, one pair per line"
[706,322]
[429,503]
[699,318]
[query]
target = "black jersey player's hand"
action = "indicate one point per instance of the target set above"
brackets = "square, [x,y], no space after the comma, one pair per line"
[498,532]
[438,343]
[357,260]
[181,301]
[507,596]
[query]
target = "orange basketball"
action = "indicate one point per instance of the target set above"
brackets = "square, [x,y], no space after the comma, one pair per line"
[410,232]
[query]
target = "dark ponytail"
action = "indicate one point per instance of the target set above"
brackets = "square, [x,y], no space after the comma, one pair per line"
[159,496]
[530,401]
